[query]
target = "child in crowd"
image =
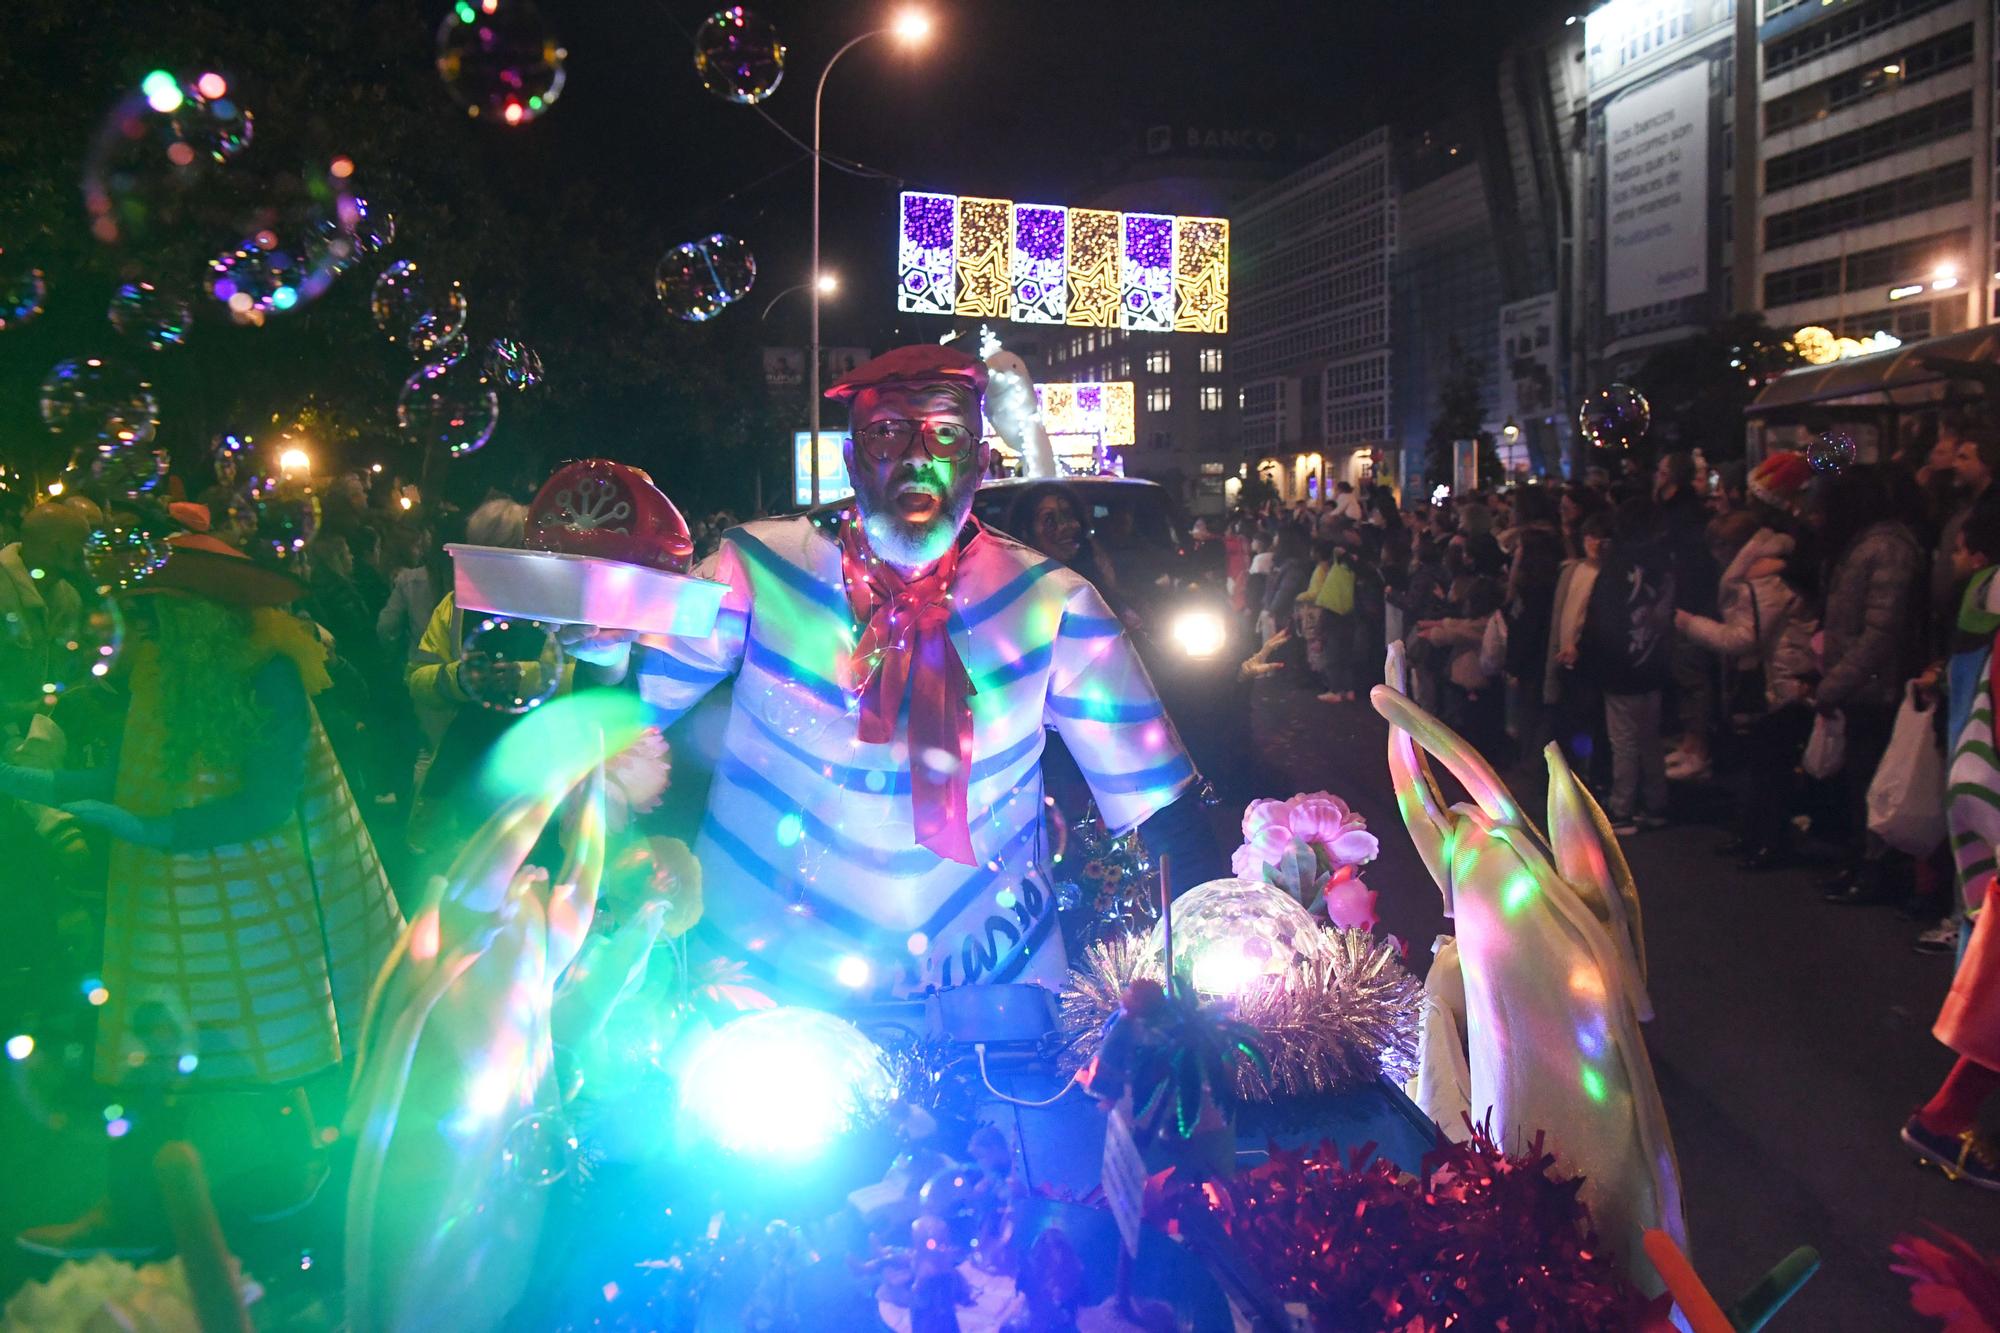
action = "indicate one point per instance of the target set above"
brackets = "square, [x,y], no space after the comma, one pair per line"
[1473,701]
[1625,652]
[1335,599]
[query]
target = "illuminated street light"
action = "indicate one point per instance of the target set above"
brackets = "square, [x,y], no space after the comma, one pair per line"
[828,283]
[294,461]
[1511,429]
[1944,277]
[911,27]
[55,488]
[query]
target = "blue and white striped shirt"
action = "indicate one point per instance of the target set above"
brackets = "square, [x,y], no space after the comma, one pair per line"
[808,852]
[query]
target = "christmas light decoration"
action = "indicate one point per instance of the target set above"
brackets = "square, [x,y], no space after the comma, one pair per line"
[1049,264]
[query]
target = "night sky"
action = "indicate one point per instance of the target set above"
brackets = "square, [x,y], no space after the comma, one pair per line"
[556,226]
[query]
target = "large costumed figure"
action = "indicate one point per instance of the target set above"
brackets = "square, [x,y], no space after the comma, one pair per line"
[875,820]
[1553,977]
[247,912]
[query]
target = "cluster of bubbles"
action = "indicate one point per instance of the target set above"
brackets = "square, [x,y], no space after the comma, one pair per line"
[119,558]
[510,665]
[697,280]
[739,56]
[1830,451]
[414,308]
[1615,417]
[499,61]
[450,401]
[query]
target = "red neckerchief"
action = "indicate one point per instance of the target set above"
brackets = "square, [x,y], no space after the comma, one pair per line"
[906,643]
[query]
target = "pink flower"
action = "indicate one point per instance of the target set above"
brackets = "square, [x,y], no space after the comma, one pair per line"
[1318,817]
[1244,863]
[1349,903]
[1262,814]
[1353,847]
[1271,842]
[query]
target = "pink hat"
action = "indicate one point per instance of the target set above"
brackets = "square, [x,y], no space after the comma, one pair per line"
[1781,479]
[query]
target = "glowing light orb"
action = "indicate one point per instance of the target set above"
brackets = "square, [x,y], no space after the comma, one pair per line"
[781,1083]
[1231,933]
[20,1046]
[853,972]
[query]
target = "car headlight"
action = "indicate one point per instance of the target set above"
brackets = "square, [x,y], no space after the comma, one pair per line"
[1199,633]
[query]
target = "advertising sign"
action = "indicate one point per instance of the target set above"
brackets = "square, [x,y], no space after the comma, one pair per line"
[1656,192]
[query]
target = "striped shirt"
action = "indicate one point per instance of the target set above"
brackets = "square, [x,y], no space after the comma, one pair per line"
[811,867]
[1972,794]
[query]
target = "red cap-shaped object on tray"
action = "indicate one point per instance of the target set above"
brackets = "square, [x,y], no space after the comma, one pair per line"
[610,510]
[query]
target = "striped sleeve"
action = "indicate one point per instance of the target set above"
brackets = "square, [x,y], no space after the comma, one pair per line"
[674,673]
[1104,704]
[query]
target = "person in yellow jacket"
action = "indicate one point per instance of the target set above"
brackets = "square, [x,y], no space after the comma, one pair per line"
[246,912]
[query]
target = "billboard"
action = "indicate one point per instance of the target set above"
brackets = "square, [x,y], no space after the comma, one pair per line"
[1656,192]
[1528,358]
[1052,264]
[833,482]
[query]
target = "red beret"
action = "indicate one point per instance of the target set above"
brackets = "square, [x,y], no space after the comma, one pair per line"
[923,363]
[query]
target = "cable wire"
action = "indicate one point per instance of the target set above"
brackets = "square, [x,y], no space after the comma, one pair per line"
[979,1049]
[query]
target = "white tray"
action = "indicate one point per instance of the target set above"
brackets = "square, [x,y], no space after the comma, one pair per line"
[583,590]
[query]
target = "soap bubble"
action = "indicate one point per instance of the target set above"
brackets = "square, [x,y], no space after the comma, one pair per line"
[412,307]
[452,406]
[509,665]
[89,399]
[499,61]
[1615,417]
[511,362]
[156,317]
[274,520]
[448,352]
[259,277]
[24,289]
[119,558]
[157,144]
[372,227]
[1831,451]
[539,1150]
[697,279]
[739,56]
[127,470]
[38,666]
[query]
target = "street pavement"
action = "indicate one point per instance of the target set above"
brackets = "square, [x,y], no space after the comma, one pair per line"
[1791,1040]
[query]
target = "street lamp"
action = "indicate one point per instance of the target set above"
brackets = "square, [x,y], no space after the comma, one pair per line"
[825,285]
[293,462]
[910,27]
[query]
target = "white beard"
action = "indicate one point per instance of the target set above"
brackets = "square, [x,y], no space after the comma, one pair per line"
[908,545]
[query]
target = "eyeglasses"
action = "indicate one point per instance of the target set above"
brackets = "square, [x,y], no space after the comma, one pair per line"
[888,440]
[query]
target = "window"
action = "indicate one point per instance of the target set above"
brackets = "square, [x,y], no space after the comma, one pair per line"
[1211,360]
[1844,29]
[1211,398]
[1090,341]
[1076,346]
[1241,396]
[1159,400]
[1878,203]
[1926,124]
[1933,56]
[1159,361]
[1124,367]
[1163,439]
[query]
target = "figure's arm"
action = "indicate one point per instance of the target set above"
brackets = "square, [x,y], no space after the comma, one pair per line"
[432,674]
[674,673]
[1885,613]
[1104,705]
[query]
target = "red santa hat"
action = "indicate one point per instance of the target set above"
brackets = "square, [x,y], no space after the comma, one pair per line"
[923,363]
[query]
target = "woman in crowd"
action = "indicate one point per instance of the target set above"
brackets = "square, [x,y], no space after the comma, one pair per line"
[1872,636]
[1528,607]
[1769,617]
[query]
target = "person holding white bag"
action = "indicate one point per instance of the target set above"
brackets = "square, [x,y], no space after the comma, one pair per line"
[1871,627]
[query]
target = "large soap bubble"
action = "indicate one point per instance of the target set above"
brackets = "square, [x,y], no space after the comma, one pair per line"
[509,665]
[127,470]
[412,307]
[155,147]
[275,520]
[1615,417]
[738,56]
[511,362]
[24,289]
[91,399]
[498,59]
[156,316]
[449,405]
[120,558]
[696,280]
[1830,451]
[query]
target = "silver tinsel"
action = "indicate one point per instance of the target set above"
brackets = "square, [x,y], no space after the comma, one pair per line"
[1346,1014]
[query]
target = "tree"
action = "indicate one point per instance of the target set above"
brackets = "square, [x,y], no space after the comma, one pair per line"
[1699,387]
[1460,416]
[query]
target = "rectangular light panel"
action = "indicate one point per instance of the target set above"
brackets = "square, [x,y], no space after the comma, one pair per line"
[1048,264]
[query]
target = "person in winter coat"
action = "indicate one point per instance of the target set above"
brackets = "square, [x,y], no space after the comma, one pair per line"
[1529,607]
[1626,651]
[1766,616]
[1575,706]
[1291,568]
[1871,633]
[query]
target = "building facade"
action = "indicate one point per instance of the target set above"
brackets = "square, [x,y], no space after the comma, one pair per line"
[1310,346]
[1876,161]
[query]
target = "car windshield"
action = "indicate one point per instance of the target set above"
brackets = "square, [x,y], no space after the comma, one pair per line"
[1122,516]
